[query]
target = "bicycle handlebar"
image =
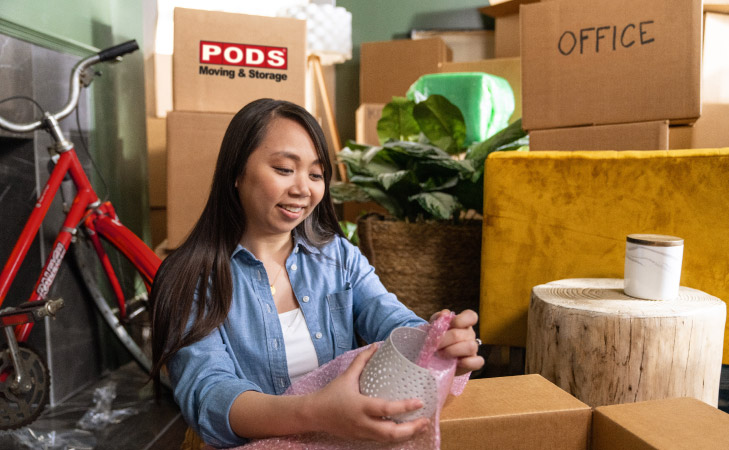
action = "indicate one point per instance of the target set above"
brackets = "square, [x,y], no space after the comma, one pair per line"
[118,50]
[75,87]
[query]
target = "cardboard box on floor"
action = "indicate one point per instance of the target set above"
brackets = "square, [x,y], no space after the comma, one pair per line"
[466,45]
[366,118]
[222,61]
[710,131]
[671,424]
[158,84]
[193,144]
[715,60]
[388,68]
[506,25]
[625,136]
[157,161]
[591,62]
[518,412]
[507,68]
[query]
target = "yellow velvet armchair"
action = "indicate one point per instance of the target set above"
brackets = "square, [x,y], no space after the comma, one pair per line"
[555,215]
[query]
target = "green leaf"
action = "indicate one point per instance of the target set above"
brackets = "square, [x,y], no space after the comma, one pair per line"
[442,123]
[436,184]
[439,204]
[347,192]
[387,180]
[397,122]
[416,150]
[350,231]
[500,141]
[386,201]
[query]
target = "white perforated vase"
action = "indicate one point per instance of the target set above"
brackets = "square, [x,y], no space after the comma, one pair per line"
[392,374]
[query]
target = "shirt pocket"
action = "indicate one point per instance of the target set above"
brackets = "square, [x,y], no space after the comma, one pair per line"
[342,320]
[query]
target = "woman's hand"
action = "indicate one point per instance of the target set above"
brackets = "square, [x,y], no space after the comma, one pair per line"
[341,410]
[460,341]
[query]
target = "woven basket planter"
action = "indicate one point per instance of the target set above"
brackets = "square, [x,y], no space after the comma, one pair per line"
[429,266]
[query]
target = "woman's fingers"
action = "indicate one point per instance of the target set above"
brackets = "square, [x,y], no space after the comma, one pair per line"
[457,336]
[389,431]
[359,362]
[466,319]
[377,407]
[469,364]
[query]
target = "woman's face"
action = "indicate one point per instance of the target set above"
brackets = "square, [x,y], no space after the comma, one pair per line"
[283,180]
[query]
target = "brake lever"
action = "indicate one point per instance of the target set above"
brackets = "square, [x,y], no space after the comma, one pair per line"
[87,76]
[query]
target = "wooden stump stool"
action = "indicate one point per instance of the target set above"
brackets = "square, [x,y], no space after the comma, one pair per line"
[604,347]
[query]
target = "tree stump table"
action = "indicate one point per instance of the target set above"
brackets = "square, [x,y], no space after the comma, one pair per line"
[604,347]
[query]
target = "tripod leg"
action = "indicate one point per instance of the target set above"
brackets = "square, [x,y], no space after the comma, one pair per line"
[328,111]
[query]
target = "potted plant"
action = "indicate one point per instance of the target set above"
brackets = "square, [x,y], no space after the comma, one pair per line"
[428,250]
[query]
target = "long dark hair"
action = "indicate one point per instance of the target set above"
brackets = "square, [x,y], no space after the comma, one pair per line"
[201,265]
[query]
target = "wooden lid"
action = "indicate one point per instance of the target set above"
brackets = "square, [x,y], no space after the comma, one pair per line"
[655,240]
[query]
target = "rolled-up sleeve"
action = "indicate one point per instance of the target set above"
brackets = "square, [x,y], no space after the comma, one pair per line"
[377,312]
[206,382]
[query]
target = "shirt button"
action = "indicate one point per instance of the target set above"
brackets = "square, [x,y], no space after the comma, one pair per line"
[293,266]
[318,335]
[296,250]
[269,308]
[275,343]
[305,299]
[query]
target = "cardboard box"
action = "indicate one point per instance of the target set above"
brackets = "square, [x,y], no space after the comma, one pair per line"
[506,25]
[519,412]
[592,62]
[624,136]
[507,68]
[388,68]
[158,84]
[710,131]
[470,45]
[157,161]
[222,61]
[158,225]
[366,118]
[193,144]
[671,424]
[715,60]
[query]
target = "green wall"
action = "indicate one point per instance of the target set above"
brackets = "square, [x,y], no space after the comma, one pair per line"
[383,20]
[118,136]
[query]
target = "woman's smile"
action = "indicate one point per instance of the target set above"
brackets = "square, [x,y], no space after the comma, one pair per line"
[283,180]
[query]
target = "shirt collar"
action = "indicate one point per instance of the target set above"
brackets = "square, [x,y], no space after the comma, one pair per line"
[299,242]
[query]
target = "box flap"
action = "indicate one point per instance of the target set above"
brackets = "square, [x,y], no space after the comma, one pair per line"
[500,8]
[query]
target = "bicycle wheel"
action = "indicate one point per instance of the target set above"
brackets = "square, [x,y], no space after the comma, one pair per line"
[134,330]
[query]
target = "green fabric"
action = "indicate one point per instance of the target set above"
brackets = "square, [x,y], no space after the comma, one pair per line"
[556,215]
[486,101]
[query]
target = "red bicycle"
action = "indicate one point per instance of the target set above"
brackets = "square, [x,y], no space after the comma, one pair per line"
[93,227]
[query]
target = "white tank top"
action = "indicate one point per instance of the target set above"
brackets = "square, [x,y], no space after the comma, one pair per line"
[300,353]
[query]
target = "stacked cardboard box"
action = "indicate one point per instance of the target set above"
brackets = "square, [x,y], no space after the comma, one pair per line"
[506,26]
[617,76]
[221,62]
[528,412]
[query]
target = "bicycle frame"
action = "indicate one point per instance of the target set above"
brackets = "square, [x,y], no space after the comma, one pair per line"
[98,218]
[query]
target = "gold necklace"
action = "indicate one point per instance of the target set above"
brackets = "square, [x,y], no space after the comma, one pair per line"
[273,288]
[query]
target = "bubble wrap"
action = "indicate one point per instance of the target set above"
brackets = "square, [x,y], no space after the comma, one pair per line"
[442,369]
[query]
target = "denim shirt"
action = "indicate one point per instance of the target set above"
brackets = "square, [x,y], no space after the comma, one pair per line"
[339,295]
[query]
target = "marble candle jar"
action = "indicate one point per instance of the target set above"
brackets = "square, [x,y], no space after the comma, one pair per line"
[653,266]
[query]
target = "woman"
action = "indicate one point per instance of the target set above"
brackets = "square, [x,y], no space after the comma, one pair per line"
[284,293]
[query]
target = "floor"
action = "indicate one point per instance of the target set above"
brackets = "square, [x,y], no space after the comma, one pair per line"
[141,422]
[150,424]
